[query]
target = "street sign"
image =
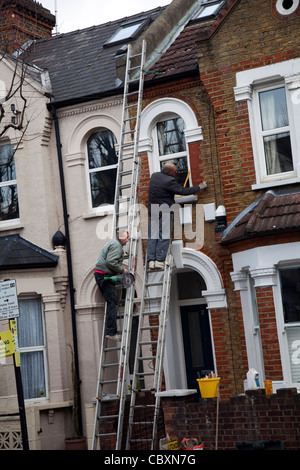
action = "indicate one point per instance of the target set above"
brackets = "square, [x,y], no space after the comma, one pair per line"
[9,307]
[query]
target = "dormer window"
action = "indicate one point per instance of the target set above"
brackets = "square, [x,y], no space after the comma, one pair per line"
[127,31]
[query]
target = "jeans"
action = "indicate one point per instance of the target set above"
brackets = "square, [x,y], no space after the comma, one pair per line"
[159,235]
[108,290]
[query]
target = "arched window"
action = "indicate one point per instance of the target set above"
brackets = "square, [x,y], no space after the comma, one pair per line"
[9,207]
[172,146]
[102,167]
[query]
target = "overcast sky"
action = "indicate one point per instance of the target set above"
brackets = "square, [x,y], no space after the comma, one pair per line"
[79,14]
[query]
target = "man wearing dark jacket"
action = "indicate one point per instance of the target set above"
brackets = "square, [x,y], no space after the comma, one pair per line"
[163,186]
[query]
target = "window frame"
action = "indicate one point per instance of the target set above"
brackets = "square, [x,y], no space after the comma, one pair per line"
[106,206]
[248,82]
[260,134]
[4,184]
[140,22]
[39,348]
[159,159]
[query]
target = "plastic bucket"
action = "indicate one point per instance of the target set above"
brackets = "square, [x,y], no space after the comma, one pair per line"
[208,387]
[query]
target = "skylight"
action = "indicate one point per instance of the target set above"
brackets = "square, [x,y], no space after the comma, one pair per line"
[208,9]
[126,32]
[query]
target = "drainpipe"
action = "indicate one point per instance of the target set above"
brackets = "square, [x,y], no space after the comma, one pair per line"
[69,262]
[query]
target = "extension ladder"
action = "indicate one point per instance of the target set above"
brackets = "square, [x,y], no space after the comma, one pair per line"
[150,348]
[114,357]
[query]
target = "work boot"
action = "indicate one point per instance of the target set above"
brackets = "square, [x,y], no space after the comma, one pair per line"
[116,337]
[151,264]
[159,264]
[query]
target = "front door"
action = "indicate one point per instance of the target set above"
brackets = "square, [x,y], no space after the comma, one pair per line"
[197,343]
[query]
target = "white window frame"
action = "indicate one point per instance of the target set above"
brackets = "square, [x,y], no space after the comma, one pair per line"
[263,263]
[160,110]
[104,208]
[249,83]
[41,348]
[9,222]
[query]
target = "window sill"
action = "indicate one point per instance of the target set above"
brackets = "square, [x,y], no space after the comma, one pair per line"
[10,225]
[275,183]
[100,212]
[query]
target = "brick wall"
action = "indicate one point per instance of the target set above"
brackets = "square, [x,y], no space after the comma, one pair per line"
[246,418]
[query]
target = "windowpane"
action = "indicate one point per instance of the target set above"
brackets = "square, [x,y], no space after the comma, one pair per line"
[30,323]
[7,163]
[103,187]
[126,31]
[293,335]
[32,347]
[278,153]
[290,292]
[209,10]
[33,374]
[9,207]
[170,136]
[103,162]
[101,149]
[190,285]
[273,107]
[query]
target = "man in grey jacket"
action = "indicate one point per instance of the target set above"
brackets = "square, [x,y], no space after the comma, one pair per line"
[109,263]
[163,186]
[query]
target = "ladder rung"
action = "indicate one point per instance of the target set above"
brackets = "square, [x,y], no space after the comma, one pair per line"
[146,343]
[107,434]
[145,358]
[136,423]
[113,364]
[107,417]
[152,327]
[105,382]
[144,374]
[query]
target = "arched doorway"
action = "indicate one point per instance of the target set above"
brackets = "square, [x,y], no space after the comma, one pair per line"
[196,288]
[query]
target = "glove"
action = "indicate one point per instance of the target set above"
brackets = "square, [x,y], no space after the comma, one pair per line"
[203,185]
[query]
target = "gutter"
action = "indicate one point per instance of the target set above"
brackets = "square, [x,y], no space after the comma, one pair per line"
[69,262]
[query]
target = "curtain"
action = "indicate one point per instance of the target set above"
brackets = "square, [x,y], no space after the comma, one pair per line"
[31,343]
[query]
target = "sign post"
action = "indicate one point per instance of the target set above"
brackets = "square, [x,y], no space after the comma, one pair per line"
[9,310]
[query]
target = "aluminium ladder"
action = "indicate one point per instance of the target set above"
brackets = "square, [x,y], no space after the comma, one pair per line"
[112,371]
[150,348]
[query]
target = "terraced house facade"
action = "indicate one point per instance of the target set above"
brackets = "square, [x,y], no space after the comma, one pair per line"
[221,99]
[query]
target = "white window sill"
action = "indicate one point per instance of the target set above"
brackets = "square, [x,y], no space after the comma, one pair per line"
[100,212]
[10,225]
[272,184]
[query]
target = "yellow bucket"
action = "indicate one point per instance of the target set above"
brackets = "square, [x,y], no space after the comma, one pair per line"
[208,387]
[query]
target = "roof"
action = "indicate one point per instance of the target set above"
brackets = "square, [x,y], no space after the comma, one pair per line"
[18,253]
[80,63]
[182,56]
[272,213]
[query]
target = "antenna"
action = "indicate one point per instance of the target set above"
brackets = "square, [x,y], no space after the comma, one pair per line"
[55,8]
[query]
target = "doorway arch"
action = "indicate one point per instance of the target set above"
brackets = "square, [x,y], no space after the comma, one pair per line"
[212,297]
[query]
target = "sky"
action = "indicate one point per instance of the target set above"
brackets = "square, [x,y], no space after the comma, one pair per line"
[79,14]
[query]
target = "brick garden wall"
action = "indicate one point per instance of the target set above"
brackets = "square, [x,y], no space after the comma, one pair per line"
[246,418]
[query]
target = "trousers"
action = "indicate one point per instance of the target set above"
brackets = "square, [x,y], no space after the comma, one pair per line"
[159,235]
[108,290]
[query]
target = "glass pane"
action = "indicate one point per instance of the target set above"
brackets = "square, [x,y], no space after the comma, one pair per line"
[9,207]
[273,109]
[7,163]
[196,339]
[125,32]
[103,187]
[278,153]
[190,285]
[293,335]
[290,292]
[181,167]
[33,374]
[209,10]
[30,323]
[170,136]
[101,149]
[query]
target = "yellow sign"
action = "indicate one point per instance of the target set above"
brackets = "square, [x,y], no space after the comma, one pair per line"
[13,328]
[7,343]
